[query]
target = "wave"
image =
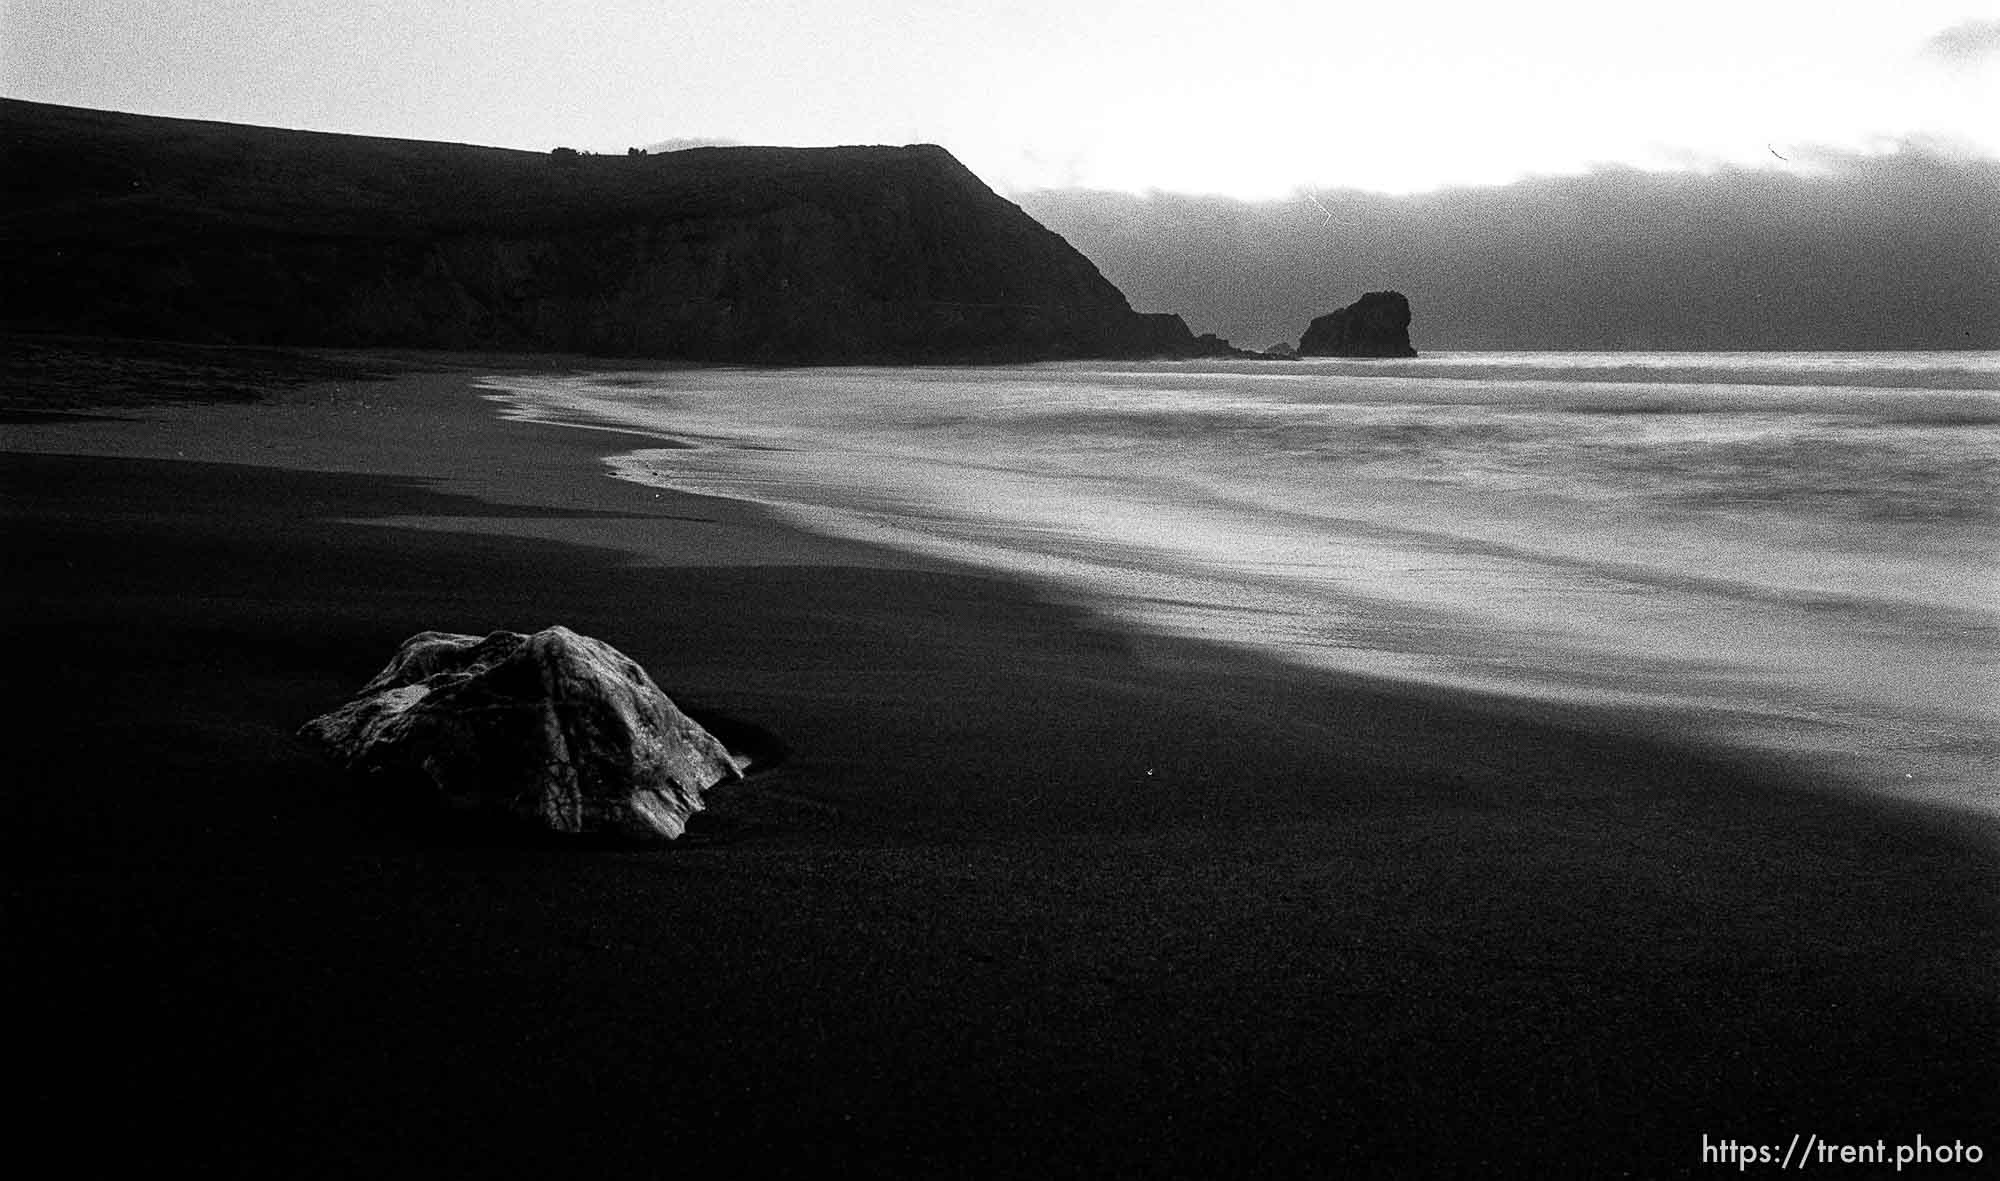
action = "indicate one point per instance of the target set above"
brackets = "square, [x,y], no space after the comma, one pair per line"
[1863,370]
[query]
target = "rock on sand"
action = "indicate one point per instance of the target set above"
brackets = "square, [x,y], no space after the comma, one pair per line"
[557,729]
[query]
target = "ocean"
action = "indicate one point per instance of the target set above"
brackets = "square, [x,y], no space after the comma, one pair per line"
[1790,551]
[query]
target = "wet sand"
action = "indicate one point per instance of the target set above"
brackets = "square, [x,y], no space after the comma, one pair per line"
[1026,895]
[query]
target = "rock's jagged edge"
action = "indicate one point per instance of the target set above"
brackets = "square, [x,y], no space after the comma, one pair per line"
[177,229]
[556,729]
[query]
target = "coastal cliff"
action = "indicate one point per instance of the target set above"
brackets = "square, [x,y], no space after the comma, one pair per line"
[138,226]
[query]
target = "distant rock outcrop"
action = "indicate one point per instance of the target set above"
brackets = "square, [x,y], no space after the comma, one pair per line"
[556,729]
[1208,344]
[1376,325]
[127,225]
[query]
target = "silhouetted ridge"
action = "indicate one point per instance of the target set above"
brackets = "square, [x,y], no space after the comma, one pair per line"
[133,225]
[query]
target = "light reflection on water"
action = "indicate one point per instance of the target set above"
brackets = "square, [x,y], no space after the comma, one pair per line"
[1795,549]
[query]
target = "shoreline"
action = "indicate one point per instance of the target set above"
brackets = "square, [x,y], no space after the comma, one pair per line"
[1783,705]
[1030,894]
[650,525]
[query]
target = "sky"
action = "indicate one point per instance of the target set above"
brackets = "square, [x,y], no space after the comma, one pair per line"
[1255,99]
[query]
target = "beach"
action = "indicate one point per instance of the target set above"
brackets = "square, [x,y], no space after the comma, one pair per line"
[1012,889]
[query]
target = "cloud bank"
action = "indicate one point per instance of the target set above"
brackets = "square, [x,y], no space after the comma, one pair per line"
[1900,250]
[1965,44]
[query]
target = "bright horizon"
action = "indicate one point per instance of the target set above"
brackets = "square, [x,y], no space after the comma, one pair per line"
[1260,100]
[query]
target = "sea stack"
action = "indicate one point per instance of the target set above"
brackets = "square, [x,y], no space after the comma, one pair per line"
[1376,325]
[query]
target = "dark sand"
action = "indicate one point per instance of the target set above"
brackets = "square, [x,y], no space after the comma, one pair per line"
[1028,896]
